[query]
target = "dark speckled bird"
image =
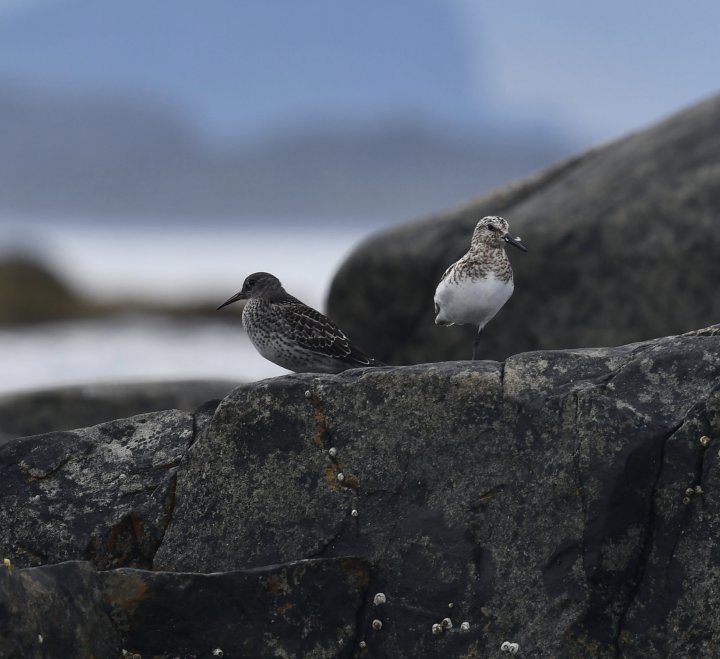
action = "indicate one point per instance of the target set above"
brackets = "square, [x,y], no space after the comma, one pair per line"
[292,334]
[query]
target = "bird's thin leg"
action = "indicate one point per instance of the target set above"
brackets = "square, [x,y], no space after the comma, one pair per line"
[476,343]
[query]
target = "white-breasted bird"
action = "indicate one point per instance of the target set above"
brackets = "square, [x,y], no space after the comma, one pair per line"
[474,288]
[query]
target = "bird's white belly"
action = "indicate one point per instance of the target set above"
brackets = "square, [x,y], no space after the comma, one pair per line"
[471,301]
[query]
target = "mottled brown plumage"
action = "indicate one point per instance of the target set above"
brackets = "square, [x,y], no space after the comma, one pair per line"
[292,334]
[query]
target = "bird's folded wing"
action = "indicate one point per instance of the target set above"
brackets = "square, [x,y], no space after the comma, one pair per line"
[315,332]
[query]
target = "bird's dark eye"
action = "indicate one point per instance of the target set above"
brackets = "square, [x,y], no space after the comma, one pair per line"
[250,282]
[492,227]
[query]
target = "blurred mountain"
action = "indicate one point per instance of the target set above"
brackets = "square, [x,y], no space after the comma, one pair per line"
[65,154]
[249,67]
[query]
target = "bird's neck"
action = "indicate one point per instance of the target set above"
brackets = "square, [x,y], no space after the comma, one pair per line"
[487,259]
[487,251]
[274,295]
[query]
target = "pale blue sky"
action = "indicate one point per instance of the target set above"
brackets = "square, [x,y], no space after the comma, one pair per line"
[592,71]
[602,68]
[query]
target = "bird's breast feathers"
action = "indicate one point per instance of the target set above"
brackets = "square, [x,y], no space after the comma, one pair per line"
[470,301]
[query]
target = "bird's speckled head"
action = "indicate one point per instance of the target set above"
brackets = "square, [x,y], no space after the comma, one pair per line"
[492,231]
[258,285]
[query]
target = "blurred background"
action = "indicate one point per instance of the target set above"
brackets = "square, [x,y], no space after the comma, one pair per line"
[155,152]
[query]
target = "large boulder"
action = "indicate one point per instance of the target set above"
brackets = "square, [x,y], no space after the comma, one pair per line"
[562,500]
[542,500]
[623,243]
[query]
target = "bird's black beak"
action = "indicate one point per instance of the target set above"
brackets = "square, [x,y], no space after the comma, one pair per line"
[234,298]
[514,241]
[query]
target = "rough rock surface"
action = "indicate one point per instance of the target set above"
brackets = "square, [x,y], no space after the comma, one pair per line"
[543,497]
[623,243]
[563,500]
[103,493]
[55,611]
[37,412]
[303,609]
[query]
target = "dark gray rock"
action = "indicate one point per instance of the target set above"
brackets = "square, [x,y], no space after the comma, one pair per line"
[37,412]
[543,497]
[55,611]
[623,246]
[303,609]
[103,493]
[563,500]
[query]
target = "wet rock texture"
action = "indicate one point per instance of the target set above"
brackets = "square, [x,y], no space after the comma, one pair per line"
[623,246]
[565,501]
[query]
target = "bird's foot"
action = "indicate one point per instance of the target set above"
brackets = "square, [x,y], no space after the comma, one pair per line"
[476,343]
